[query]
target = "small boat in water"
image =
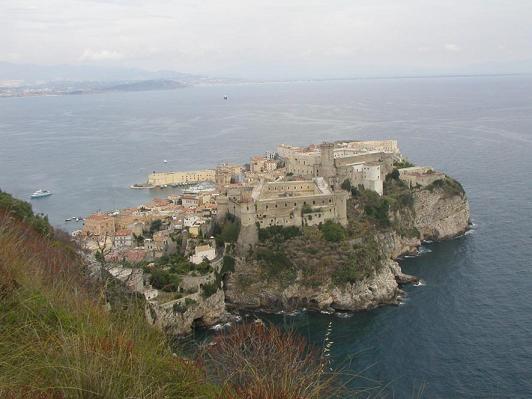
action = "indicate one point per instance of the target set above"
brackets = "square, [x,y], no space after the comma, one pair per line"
[40,194]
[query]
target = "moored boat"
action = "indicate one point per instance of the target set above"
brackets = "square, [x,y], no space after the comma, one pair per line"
[40,194]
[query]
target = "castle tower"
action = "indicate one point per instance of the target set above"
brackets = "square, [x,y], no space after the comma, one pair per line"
[249,232]
[327,168]
[340,202]
[222,203]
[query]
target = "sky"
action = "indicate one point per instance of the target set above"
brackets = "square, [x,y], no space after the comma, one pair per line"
[285,39]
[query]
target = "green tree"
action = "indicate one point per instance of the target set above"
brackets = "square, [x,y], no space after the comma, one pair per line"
[155,226]
[333,232]
[346,185]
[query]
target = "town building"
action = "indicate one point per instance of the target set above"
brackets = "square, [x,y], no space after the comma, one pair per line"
[202,252]
[123,238]
[362,163]
[285,203]
[190,201]
[181,178]
[262,164]
[419,176]
[99,225]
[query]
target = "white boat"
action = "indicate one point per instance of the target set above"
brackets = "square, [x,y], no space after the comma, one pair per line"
[40,194]
[165,161]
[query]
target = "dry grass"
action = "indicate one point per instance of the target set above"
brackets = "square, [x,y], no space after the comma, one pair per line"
[263,362]
[57,340]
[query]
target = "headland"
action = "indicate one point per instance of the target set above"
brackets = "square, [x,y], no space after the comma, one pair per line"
[317,227]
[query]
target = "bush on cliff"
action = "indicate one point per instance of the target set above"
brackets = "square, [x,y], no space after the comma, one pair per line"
[332,231]
[278,233]
[22,211]
[262,362]
[226,230]
[450,186]
[163,280]
[375,207]
[228,264]
[405,163]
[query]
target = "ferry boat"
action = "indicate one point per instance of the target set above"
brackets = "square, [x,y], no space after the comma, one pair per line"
[40,194]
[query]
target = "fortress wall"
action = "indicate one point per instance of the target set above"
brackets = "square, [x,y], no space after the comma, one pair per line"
[194,176]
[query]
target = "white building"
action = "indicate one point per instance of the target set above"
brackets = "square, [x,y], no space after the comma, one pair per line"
[191,220]
[123,238]
[190,201]
[368,175]
[201,252]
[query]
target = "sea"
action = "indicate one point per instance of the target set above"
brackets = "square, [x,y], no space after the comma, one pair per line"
[466,332]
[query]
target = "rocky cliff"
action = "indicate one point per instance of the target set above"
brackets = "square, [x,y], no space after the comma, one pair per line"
[357,273]
[181,318]
[247,288]
[436,214]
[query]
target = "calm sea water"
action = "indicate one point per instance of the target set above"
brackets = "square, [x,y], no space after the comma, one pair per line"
[467,333]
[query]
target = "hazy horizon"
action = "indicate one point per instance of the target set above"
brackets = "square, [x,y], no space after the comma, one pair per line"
[295,39]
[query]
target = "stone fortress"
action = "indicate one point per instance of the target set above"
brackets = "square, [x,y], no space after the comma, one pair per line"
[308,192]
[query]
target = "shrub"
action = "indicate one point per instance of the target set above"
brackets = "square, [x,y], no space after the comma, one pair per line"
[228,264]
[228,230]
[209,289]
[348,273]
[164,280]
[394,175]
[448,185]
[276,265]
[333,232]
[278,233]
[204,267]
[257,361]
[405,163]
[376,207]
[346,185]
[155,226]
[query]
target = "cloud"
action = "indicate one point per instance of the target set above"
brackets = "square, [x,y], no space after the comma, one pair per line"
[268,39]
[90,55]
[452,47]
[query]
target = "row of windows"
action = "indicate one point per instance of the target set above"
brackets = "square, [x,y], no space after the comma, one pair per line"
[282,188]
[304,203]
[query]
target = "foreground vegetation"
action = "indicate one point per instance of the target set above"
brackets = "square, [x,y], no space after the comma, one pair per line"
[57,338]
[63,335]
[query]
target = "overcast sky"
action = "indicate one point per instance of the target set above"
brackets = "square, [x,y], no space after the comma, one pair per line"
[272,39]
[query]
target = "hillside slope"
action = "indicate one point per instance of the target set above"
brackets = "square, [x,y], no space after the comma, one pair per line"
[58,338]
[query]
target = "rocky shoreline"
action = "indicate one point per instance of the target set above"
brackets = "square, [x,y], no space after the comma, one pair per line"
[436,215]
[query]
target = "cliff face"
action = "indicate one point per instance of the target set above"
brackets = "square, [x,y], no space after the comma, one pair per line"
[247,288]
[433,215]
[440,215]
[181,320]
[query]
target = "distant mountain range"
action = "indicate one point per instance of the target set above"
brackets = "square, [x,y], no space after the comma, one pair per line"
[34,80]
